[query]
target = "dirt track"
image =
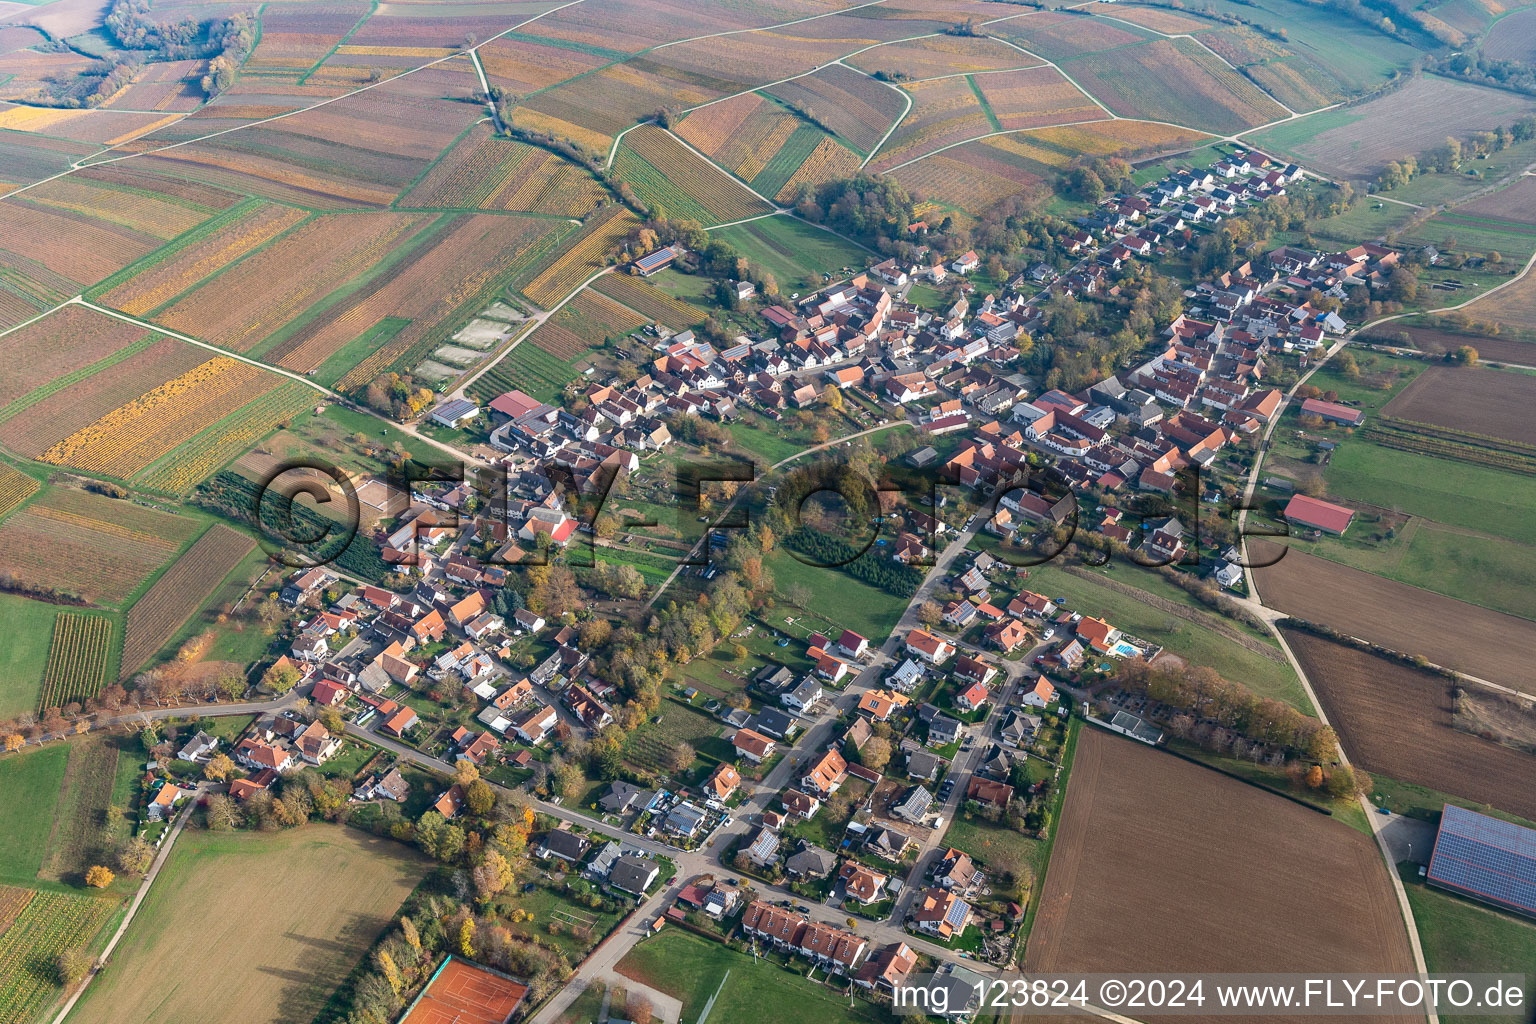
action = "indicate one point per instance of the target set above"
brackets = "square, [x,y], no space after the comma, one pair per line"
[1479,642]
[1161,865]
[1396,720]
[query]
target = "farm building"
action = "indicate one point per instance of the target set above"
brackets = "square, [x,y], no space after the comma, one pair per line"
[1485,859]
[1318,515]
[650,263]
[465,993]
[454,412]
[1333,412]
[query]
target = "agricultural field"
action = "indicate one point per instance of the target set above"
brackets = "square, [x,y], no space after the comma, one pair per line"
[296,37]
[1514,307]
[766,145]
[219,243]
[944,111]
[1427,335]
[485,172]
[129,438]
[362,149]
[78,659]
[1485,403]
[180,591]
[978,175]
[1034,98]
[15,488]
[794,252]
[1168,865]
[1061,35]
[50,923]
[523,65]
[449,275]
[1469,639]
[1174,80]
[213,904]
[76,839]
[855,107]
[1358,141]
[203,454]
[1364,695]
[557,276]
[668,177]
[1512,37]
[97,548]
[937,56]
[650,301]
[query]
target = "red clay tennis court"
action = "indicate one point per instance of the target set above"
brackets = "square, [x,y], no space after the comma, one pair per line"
[462,993]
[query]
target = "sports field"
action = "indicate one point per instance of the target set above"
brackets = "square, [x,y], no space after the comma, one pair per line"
[252,927]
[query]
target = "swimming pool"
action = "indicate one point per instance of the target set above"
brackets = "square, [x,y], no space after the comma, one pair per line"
[1124,650]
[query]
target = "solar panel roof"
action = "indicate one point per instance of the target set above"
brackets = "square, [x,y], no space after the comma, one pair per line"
[1487,858]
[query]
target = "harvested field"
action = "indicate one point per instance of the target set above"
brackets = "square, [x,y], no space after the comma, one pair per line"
[1429,339]
[155,617]
[266,960]
[489,173]
[1359,141]
[649,300]
[1168,866]
[58,345]
[1512,38]
[940,55]
[77,659]
[1035,98]
[523,65]
[1160,19]
[129,438]
[296,37]
[99,548]
[944,111]
[1514,306]
[854,106]
[448,273]
[253,298]
[1490,403]
[585,256]
[1174,80]
[1515,202]
[15,488]
[666,175]
[211,250]
[80,812]
[199,457]
[1469,639]
[53,413]
[1364,696]
[1060,35]
[79,249]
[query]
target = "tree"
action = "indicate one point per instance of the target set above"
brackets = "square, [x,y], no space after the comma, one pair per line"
[929,613]
[492,876]
[450,843]
[99,876]
[71,965]
[281,677]
[680,757]
[876,753]
[480,797]
[221,813]
[467,938]
[1465,355]
[14,741]
[218,767]
[135,856]
[1315,777]
[465,773]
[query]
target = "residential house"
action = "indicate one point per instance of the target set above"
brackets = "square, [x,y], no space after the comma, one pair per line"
[753,746]
[941,912]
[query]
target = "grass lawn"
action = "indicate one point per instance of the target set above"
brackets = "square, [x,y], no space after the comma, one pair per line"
[649,746]
[29,788]
[1462,936]
[29,624]
[1189,640]
[547,907]
[1454,493]
[836,598]
[1425,804]
[794,252]
[694,969]
[221,896]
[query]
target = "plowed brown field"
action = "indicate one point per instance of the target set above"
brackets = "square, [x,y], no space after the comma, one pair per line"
[1366,697]
[1161,865]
